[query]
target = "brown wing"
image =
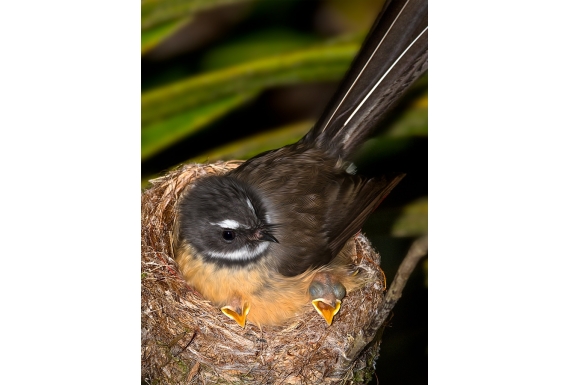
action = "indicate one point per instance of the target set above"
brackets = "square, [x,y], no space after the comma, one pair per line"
[357,199]
[314,206]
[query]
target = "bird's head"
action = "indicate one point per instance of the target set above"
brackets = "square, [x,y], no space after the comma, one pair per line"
[226,221]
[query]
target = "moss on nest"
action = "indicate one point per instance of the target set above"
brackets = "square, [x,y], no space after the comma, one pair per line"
[186,340]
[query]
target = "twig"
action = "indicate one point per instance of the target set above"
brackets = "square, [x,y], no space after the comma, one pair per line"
[417,251]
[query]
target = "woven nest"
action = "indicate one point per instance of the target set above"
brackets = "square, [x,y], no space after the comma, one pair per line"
[186,340]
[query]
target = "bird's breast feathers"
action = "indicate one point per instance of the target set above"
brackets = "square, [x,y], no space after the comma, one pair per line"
[273,298]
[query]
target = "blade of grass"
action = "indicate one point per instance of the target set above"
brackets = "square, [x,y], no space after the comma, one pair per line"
[256,45]
[413,122]
[413,220]
[322,63]
[152,37]
[248,147]
[162,134]
[155,12]
[410,220]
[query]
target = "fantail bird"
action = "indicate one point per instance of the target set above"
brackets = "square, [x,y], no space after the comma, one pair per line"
[267,238]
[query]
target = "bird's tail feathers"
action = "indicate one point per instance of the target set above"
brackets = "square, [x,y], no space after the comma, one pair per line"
[392,57]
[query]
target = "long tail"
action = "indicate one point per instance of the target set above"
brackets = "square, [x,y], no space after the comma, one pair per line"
[393,55]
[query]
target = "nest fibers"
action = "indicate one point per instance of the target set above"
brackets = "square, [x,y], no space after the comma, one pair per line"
[186,340]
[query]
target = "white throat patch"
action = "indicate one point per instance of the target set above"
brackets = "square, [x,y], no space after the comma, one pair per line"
[243,254]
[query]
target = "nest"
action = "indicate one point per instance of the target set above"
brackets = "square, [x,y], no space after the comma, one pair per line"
[186,340]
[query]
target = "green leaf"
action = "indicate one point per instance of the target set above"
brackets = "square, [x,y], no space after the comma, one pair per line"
[255,45]
[413,221]
[398,132]
[321,63]
[151,37]
[248,147]
[413,122]
[410,220]
[162,134]
[155,12]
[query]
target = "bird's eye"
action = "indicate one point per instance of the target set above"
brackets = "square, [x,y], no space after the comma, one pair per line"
[339,291]
[228,235]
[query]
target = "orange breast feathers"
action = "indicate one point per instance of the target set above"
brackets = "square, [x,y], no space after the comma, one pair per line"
[255,292]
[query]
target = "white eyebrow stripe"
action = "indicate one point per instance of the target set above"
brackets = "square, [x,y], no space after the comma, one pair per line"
[385,74]
[366,65]
[228,224]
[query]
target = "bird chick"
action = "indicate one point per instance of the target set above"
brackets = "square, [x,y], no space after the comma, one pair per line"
[326,295]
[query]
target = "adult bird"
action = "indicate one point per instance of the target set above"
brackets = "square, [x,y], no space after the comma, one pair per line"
[269,237]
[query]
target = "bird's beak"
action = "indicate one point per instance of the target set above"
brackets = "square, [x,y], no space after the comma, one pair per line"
[238,314]
[326,309]
[266,236]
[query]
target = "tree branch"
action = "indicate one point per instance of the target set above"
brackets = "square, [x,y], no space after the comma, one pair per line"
[416,252]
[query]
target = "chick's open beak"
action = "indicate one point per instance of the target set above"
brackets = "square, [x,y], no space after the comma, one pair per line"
[238,314]
[326,293]
[326,309]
